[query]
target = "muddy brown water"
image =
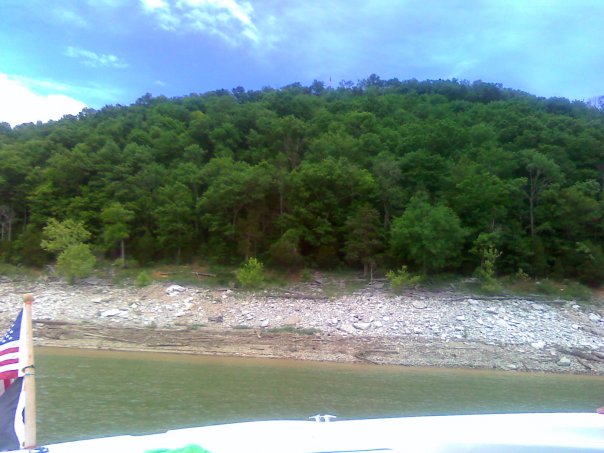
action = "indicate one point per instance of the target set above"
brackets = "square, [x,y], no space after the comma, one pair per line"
[84,394]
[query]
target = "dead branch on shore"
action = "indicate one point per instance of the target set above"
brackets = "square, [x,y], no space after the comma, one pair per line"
[577,353]
[107,337]
[361,357]
[292,295]
[49,322]
[204,274]
[584,364]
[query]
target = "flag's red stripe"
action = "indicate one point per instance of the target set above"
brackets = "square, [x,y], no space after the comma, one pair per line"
[12,374]
[9,361]
[9,350]
[5,384]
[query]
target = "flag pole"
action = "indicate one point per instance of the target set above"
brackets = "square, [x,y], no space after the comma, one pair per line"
[29,380]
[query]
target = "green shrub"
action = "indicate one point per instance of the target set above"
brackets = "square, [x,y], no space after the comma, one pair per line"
[575,290]
[547,287]
[491,286]
[76,261]
[293,329]
[143,279]
[251,274]
[521,276]
[306,275]
[402,279]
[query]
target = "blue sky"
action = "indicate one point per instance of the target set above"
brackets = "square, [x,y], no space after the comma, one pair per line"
[59,56]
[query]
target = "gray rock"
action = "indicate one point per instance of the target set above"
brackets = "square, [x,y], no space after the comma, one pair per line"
[538,344]
[347,328]
[595,317]
[361,325]
[175,289]
[291,321]
[264,323]
[564,361]
[110,313]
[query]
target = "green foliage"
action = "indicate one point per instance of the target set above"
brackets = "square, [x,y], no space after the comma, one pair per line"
[251,274]
[363,240]
[143,279]
[521,276]
[10,270]
[174,216]
[306,275]
[484,248]
[285,251]
[115,218]
[402,279]
[76,261]
[430,236]
[295,330]
[59,236]
[306,175]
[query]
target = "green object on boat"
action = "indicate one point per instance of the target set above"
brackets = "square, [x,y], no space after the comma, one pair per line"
[188,449]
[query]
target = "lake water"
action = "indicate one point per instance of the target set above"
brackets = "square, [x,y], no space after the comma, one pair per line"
[83,394]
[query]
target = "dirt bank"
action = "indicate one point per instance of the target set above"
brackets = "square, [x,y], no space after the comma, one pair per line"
[442,329]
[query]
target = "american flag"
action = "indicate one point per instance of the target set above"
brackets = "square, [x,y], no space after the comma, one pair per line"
[9,355]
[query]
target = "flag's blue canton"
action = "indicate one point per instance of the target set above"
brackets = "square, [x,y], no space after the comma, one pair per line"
[14,332]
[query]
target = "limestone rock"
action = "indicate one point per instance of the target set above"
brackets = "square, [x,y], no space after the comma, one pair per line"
[564,361]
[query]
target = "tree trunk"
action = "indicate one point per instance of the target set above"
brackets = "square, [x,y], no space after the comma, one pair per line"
[123,253]
[532,214]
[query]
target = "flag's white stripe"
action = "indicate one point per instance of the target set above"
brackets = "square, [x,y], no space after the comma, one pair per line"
[9,355]
[10,366]
[10,344]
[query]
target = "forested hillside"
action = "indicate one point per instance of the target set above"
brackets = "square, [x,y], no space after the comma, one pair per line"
[436,175]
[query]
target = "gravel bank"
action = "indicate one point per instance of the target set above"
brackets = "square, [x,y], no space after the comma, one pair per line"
[417,328]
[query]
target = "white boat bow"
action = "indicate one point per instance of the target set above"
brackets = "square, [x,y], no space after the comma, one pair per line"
[555,432]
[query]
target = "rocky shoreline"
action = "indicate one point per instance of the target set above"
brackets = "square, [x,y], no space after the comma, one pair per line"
[417,328]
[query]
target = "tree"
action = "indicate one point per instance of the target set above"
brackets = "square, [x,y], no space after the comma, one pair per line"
[286,250]
[76,261]
[58,236]
[174,217]
[236,192]
[430,236]
[542,172]
[363,239]
[115,219]
[388,178]
[320,198]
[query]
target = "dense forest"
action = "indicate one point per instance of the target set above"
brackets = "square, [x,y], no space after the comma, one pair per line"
[435,175]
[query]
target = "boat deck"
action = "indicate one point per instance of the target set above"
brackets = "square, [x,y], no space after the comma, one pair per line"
[557,432]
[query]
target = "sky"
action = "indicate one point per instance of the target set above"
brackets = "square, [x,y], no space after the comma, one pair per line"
[60,56]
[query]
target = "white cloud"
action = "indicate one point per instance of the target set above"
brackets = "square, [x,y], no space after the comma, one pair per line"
[19,104]
[94,59]
[69,17]
[231,20]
